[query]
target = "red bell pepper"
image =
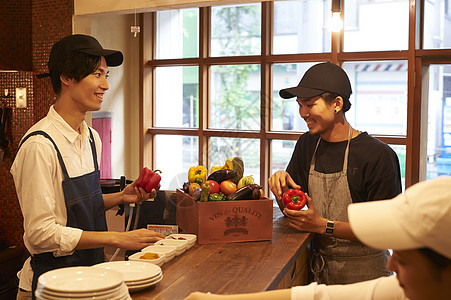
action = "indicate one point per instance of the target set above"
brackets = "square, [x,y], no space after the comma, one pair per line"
[148,179]
[294,199]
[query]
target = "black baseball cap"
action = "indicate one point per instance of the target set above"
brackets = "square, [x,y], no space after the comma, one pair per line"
[84,44]
[320,78]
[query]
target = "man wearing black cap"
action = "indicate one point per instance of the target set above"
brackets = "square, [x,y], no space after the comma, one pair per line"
[336,165]
[56,170]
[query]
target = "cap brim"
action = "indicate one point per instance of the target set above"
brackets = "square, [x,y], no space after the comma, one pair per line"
[113,58]
[377,225]
[299,91]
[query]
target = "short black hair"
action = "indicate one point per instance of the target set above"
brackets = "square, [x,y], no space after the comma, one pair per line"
[331,96]
[75,66]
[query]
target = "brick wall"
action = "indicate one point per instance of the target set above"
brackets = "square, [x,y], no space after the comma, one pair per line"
[28,30]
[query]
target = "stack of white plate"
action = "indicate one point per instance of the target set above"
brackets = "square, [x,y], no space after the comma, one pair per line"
[137,275]
[82,283]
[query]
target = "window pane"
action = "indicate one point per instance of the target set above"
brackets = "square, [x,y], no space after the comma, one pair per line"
[439,122]
[401,152]
[301,26]
[174,155]
[222,149]
[437,24]
[177,33]
[285,112]
[177,97]
[379,96]
[391,32]
[235,97]
[281,152]
[236,30]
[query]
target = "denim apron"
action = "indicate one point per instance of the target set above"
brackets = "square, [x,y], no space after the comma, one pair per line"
[85,210]
[335,260]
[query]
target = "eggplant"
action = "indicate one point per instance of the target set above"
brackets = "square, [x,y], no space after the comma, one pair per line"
[248,192]
[221,175]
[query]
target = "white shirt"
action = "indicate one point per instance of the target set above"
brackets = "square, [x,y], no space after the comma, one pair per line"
[383,288]
[38,180]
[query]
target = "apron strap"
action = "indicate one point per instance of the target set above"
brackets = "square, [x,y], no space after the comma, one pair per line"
[93,149]
[45,134]
[60,157]
[345,161]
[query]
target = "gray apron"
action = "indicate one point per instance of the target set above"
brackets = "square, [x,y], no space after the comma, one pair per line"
[335,260]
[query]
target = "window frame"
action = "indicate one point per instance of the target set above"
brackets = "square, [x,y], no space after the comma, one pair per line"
[415,56]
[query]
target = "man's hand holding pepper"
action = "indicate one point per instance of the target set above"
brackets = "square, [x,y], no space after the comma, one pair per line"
[306,220]
[281,181]
[134,194]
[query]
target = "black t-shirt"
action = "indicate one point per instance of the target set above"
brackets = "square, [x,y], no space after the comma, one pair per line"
[373,167]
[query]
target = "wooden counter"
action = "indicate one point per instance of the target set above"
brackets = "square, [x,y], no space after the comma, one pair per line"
[230,268]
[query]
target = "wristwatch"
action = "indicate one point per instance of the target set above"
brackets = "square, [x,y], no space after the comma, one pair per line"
[330,226]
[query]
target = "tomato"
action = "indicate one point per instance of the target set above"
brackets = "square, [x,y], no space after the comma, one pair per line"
[294,199]
[227,187]
[214,186]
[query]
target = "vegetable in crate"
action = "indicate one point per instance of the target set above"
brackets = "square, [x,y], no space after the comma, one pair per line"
[196,194]
[294,199]
[216,197]
[246,180]
[236,164]
[248,192]
[192,187]
[215,168]
[186,187]
[227,187]
[221,175]
[195,172]
[199,180]
[214,186]
[148,179]
[205,192]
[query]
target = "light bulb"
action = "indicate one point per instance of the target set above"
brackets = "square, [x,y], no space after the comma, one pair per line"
[336,22]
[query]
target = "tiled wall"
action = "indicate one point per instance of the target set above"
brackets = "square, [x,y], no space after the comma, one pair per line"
[15,35]
[47,21]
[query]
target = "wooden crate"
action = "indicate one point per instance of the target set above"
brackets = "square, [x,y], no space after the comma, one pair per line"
[225,221]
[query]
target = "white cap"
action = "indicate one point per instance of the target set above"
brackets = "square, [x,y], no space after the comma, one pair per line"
[418,218]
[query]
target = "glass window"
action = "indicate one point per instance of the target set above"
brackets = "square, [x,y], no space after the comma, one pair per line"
[221,149]
[285,112]
[236,30]
[437,24]
[401,152]
[379,96]
[177,97]
[235,97]
[281,151]
[174,155]
[438,157]
[301,26]
[381,25]
[177,34]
